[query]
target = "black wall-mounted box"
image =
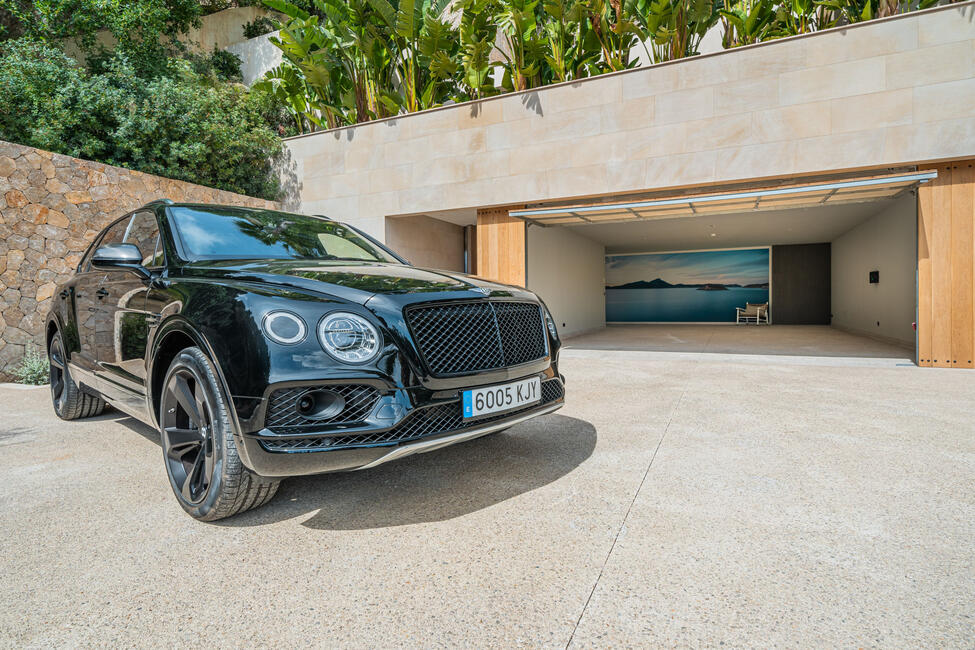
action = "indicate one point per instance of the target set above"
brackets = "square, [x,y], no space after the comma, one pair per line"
[874,277]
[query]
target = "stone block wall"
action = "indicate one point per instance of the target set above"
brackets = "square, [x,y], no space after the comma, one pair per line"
[51,207]
[883,93]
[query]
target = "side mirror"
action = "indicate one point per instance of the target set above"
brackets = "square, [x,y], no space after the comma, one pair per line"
[119,256]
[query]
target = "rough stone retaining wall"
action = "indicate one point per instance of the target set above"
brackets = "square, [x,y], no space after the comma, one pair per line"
[51,207]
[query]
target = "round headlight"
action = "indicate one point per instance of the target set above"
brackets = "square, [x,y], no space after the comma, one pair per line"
[284,327]
[348,337]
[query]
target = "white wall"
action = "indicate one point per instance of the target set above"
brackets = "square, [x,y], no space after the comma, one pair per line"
[568,271]
[257,56]
[887,242]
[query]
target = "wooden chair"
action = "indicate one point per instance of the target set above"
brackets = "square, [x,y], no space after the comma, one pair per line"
[752,313]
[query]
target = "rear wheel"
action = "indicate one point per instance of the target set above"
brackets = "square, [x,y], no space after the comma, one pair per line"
[70,401]
[199,450]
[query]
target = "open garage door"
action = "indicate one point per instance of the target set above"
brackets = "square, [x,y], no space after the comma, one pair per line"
[837,253]
[795,195]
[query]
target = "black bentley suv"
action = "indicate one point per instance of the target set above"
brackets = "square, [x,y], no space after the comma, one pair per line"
[264,344]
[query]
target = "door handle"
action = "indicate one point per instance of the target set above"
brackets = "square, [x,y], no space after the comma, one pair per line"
[101,293]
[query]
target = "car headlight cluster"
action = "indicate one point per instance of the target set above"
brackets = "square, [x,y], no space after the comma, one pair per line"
[348,337]
[550,323]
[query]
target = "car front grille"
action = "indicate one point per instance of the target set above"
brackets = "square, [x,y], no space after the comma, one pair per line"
[282,416]
[469,337]
[433,420]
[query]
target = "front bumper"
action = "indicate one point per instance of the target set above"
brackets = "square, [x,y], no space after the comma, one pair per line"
[432,421]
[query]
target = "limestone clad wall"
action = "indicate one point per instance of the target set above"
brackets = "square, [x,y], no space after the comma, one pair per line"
[890,92]
[426,242]
[51,207]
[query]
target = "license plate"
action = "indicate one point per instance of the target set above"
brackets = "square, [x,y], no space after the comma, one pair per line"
[504,397]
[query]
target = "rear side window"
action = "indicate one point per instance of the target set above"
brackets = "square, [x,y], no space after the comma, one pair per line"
[111,235]
[143,231]
[140,229]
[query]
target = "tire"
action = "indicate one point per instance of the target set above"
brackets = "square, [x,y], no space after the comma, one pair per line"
[70,401]
[199,450]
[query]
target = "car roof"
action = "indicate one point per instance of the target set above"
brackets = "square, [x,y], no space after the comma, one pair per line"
[168,203]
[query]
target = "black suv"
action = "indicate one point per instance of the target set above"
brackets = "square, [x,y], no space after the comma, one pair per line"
[265,344]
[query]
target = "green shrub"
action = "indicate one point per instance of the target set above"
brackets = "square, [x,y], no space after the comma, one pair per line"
[146,32]
[259,26]
[219,65]
[33,369]
[182,125]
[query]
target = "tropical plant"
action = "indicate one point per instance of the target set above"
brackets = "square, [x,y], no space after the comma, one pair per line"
[416,33]
[748,21]
[523,50]
[855,11]
[572,51]
[676,27]
[618,26]
[478,32]
[803,16]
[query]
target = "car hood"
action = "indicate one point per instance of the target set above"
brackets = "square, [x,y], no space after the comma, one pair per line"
[353,281]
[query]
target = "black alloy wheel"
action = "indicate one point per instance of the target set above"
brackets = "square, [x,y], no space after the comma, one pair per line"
[58,373]
[188,434]
[199,449]
[70,400]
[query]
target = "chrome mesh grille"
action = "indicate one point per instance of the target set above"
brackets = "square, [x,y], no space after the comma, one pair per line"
[463,338]
[282,417]
[425,422]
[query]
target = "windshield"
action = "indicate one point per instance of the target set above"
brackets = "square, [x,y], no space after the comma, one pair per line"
[238,233]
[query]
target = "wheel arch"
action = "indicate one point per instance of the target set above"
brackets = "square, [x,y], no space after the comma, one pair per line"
[52,328]
[174,335]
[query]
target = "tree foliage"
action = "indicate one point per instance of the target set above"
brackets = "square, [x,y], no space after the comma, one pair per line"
[182,125]
[146,32]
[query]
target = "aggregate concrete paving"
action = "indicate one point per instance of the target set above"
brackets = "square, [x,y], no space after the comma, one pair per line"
[679,499]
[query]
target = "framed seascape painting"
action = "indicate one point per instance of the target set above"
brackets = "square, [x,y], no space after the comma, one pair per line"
[685,287]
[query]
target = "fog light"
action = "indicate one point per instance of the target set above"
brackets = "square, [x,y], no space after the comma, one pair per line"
[319,404]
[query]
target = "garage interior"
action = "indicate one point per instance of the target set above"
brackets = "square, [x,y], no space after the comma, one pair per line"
[843,255]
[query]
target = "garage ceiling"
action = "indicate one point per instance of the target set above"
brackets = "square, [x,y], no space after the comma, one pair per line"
[736,230]
[782,197]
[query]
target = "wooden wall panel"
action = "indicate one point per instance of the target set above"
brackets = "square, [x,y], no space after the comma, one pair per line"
[925,216]
[941,269]
[946,268]
[501,246]
[962,248]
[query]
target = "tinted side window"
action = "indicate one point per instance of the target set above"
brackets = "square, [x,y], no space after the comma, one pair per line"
[143,231]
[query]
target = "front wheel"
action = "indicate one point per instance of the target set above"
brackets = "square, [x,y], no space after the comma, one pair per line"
[202,463]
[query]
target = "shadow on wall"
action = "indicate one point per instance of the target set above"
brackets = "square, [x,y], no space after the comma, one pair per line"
[435,486]
[287,168]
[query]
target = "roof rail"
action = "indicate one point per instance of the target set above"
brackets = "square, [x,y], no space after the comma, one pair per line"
[159,201]
[323,217]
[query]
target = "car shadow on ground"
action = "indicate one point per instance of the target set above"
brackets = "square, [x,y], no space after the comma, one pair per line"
[434,486]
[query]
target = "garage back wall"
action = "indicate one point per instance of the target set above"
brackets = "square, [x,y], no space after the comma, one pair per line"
[801,284]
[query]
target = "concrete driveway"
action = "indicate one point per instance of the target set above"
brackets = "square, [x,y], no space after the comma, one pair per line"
[675,500]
